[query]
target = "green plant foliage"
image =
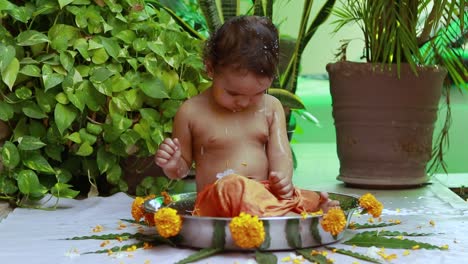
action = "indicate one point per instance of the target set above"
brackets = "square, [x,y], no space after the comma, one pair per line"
[366,225]
[265,257]
[306,253]
[85,84]
[353,254]
[203,253]
[394,233]
[117,249]
[368,240]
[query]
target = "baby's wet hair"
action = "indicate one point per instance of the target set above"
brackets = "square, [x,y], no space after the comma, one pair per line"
[245,43]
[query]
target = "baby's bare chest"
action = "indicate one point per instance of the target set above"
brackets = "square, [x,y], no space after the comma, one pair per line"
[230,131]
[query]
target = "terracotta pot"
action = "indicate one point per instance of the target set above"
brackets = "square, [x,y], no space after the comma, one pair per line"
[384,124]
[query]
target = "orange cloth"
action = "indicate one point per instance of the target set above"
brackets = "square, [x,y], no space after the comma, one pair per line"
[233,194]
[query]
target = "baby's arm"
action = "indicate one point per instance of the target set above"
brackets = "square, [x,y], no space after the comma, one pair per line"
[279,153]
[174,155]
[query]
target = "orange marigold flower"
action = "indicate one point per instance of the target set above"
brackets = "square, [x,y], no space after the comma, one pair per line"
[334,221]
[247,231]
[168,223]
[167,198]
[371,204]
[138,211]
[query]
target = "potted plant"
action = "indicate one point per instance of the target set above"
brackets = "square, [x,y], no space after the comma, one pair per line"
[385,108]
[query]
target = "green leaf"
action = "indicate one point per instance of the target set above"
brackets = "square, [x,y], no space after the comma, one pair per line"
[353,254]
[54,151]
[31,37]
[7,54]
[203,253]
[108,236]
[28,183]
[64,117]
[111,46]
[150,114]
[31,70]
[153,87]
[118,248]
[30,143]
[100,75]
[219,234]
[10,155]
[287,98]
[292,233]
[85,149]
[63,190]
[6,111]
[63,3]
[94,129]
[266,243]
[23,93]
[127,36]
[87,137]
[119,83]
[32,110]
[265,257]
[393,233]
[37,162]
[320,259]
[10,73]
[7,185]
[100,56]
[61,36]
[366,240]
[367,225]
[114,174]
[51,80]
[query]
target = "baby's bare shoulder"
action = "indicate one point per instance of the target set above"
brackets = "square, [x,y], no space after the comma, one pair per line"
[193,105]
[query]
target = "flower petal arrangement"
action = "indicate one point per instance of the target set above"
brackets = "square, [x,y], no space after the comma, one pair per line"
[247,231]
[138,211]
[262,235]
[334,221]
[370,204]
[168,223]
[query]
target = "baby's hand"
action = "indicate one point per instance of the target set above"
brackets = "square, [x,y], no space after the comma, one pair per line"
[168,154]
[281,186]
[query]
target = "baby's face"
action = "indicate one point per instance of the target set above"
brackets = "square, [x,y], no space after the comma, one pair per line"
[237,91]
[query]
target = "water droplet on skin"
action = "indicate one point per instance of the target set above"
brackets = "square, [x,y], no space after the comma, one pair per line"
[202,151]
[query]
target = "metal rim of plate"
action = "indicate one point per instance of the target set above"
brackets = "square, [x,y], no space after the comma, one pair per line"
[281,232]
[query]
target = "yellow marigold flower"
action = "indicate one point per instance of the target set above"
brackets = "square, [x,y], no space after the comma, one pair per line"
[415,247]
[286,259]
[432,223]
[168,223]
[334,221]
[406,253]
[247,231]
[371,204]
[304,215]
[445,246]
[137,208]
